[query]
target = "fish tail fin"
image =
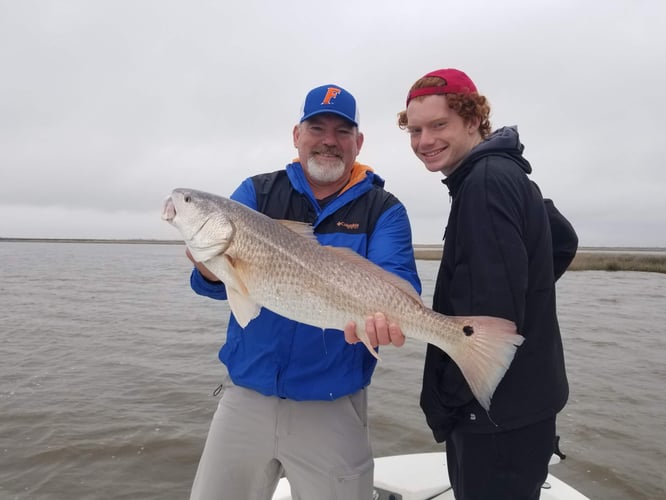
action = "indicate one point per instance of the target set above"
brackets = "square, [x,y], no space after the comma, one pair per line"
[488,348]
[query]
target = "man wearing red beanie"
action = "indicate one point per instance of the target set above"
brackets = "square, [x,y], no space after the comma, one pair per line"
[499,260]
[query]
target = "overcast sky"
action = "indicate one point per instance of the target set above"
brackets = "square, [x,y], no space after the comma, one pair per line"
[106,106]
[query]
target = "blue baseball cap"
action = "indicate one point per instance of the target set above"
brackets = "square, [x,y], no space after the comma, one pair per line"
[330,99]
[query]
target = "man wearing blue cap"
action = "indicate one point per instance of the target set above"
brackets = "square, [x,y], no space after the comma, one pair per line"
[296,402]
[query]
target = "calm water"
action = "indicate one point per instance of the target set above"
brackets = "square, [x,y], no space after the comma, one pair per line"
[108,362]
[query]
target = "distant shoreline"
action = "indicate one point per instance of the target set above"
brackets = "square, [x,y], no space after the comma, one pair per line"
[93,240]
[598,258]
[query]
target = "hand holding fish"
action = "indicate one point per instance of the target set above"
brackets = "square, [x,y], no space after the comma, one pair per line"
[205,272]
[378,330]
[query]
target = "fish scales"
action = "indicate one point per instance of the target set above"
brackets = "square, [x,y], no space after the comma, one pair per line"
[312,286]
[267,263]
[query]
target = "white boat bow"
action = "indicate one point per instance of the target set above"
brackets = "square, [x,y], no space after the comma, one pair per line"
[422,476]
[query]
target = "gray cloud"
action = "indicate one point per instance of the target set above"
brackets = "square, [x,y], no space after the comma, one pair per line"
[106,106]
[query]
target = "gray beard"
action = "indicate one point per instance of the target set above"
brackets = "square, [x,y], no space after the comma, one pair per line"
[325,173]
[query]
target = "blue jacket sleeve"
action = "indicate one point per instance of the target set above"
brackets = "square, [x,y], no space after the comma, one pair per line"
[215,290]
[390,245]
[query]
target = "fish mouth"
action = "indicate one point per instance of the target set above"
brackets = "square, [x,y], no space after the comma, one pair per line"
[169,210]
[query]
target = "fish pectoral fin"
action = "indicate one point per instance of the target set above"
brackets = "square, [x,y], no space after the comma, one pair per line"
[242,306]
[226,271]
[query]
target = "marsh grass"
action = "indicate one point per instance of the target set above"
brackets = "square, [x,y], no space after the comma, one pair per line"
[586,260]
[619,261]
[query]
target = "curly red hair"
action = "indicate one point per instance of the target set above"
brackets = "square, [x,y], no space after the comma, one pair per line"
[468,106]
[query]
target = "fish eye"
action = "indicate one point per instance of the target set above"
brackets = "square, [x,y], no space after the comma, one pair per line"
[187,198]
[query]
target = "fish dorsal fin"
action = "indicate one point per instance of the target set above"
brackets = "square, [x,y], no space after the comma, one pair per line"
[301,228]
[242,306]
[395,280]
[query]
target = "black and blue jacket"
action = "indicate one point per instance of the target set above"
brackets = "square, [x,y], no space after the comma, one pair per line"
[280,357]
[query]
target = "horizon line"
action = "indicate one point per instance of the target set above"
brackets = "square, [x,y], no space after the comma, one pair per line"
[155,241]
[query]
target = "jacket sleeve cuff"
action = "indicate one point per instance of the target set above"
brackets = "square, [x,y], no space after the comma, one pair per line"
[214,290]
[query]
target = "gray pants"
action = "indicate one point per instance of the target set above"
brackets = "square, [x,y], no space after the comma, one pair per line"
[323,447]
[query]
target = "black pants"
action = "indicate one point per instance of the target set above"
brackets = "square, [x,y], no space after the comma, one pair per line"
[509,465]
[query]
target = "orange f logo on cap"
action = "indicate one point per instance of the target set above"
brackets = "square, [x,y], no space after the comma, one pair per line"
[331,94]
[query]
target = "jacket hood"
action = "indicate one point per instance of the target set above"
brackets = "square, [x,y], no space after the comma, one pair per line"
[504,142]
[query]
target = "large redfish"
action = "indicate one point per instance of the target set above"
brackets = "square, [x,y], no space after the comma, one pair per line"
[280,265]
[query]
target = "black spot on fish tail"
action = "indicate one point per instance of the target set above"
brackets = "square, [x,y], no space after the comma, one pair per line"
[468,330]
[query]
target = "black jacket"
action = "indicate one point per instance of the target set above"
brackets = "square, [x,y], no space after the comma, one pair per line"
[499,260]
